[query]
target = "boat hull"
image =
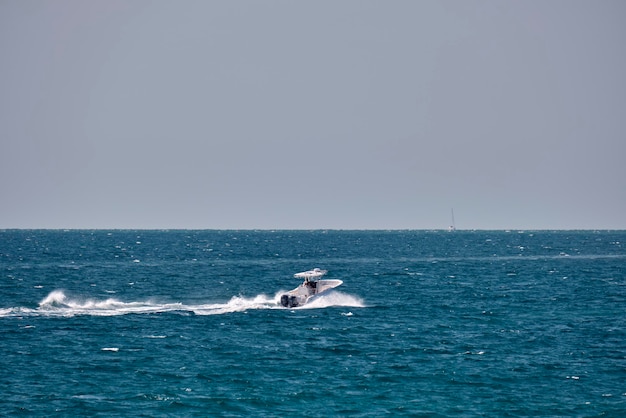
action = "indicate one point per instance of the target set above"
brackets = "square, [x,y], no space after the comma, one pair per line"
[306,292]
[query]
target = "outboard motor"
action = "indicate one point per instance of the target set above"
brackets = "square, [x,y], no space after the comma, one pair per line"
[289,301]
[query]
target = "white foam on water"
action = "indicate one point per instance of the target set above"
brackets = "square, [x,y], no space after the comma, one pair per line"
[58,304]
[235,304]
[6,312]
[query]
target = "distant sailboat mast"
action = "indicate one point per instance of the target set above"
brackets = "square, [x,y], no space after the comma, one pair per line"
[452,226]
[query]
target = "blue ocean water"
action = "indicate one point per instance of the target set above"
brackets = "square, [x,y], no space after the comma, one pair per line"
[187,323]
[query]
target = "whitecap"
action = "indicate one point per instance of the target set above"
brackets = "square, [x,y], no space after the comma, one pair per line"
[88,397]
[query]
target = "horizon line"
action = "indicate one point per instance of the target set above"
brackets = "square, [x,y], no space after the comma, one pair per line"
[446,230]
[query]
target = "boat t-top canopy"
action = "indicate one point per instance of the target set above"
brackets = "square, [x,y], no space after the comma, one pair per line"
[310,274]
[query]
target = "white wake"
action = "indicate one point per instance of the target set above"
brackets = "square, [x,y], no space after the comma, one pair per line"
[58,304]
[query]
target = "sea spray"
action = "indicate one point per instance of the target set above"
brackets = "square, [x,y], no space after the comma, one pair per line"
[54,300]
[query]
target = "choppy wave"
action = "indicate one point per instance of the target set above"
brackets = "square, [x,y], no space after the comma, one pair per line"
[58,304]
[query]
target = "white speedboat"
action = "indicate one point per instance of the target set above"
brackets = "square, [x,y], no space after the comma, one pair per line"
[310,288]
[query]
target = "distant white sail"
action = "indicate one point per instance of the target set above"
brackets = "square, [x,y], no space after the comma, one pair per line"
[452,226]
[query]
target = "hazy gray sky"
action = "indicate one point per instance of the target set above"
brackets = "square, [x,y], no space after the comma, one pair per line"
[312,114]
